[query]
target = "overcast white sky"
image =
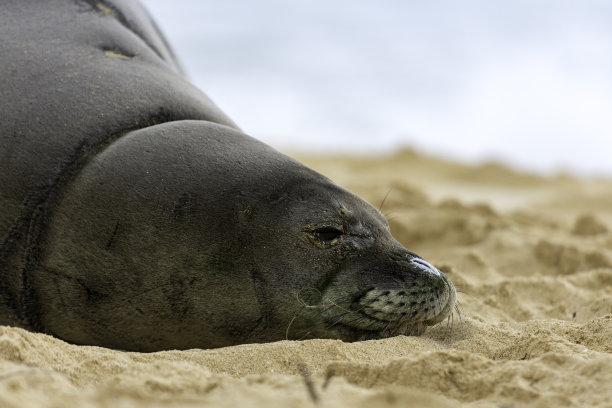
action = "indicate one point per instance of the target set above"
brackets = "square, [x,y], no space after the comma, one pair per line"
[525,81]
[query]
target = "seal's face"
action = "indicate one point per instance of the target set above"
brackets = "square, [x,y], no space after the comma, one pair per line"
[357,281]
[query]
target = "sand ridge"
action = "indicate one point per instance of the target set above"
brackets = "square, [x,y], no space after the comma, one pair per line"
[531,257]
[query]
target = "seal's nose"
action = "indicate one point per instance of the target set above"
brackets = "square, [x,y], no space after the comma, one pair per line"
[422,265]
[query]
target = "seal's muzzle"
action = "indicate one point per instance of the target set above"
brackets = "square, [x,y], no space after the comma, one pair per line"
[421,297]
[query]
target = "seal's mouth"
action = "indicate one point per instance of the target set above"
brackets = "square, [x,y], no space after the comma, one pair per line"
[405,310]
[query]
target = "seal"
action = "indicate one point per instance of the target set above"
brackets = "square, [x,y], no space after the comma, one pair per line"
[137,216]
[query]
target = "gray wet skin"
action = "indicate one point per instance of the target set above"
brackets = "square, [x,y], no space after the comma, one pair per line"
[137,216]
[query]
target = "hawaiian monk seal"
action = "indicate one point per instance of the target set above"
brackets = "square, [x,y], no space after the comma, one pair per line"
[136,215]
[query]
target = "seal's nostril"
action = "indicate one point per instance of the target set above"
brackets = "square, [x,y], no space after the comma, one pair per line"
[423,265]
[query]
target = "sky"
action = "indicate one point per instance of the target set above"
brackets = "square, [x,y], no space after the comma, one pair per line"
[526,82]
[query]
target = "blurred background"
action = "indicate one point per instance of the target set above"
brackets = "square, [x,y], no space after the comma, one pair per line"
[526,82]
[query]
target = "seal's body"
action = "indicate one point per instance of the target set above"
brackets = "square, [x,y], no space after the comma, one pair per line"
[136,215]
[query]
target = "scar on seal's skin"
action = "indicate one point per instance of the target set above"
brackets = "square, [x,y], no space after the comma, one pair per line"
[116,54]
[107,10]
[113,235]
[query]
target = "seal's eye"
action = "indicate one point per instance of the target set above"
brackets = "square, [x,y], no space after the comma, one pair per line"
[327,234]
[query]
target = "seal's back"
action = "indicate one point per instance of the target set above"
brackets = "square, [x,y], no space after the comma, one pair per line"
[74,77]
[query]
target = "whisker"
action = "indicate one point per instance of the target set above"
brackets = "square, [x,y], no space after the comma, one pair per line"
[348,312]
[288,327]
[383,200]
[439,305]
[460,307]
[340,317]
[335,319]
[359,309]
[458,311]
[384,330]
[322,306]
[305,335]
[390,215]
[355,320]
[464,293]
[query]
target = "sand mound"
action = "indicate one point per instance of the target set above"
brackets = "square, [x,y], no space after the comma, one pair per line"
[531,256]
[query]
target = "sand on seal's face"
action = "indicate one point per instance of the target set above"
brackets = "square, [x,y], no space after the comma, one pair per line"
[531,256]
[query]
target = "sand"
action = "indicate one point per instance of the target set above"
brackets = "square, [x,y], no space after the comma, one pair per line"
[532,257]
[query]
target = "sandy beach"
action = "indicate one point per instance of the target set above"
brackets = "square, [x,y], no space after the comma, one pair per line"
[530,255]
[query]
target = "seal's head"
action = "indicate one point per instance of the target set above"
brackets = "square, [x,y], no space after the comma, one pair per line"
[350,278]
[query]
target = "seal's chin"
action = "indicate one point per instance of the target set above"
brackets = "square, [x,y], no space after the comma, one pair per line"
[366,328]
